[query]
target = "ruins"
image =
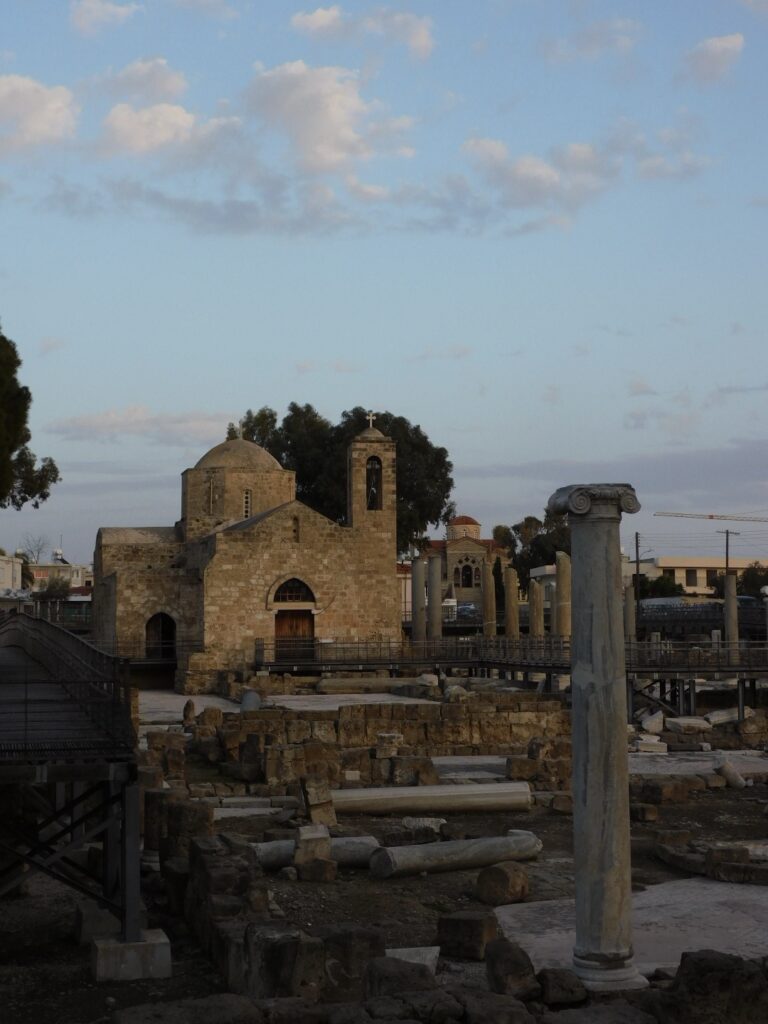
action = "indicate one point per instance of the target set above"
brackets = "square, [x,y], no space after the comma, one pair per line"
[498,830]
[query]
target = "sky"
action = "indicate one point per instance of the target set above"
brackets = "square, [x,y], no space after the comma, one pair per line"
[534,227]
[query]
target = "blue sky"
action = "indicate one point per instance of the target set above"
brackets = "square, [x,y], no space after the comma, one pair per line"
[535,227]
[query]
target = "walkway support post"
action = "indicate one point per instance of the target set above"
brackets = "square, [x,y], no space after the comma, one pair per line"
[602,955]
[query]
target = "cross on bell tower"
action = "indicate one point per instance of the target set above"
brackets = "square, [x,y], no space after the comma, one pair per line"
[370,416]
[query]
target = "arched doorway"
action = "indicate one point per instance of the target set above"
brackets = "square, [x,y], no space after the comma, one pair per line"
[160,638]
[294,626]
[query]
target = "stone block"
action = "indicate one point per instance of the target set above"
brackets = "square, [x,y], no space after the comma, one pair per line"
[318,869]
[643,812]
[501,884]
[313,842]
[427,955]
[687,724]
[150,957]
[387,976]
[561,987]
[348,950]
[466,933]
[510,971]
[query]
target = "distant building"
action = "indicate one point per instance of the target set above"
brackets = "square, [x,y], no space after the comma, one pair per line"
[76,575]
[247,565]
[462,554]
[697,576]
[10,572]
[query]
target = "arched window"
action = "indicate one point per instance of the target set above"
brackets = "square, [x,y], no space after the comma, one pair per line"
[466,576]
[294,590]
[295,528]
[457,577]
[477,577]
[160,637]
[373,483]
[247,503]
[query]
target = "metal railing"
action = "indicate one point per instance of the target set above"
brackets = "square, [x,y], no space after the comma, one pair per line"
[71,697]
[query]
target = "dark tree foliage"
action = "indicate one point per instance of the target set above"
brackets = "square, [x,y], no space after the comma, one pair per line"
[498,585]
[56,589]
[752,579]
[317,450]
[533,542]
[22,480]
[661,586]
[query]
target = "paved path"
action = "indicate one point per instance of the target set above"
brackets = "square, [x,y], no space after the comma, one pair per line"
[668,919]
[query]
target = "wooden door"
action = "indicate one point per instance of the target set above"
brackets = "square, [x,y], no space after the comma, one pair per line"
[294,636]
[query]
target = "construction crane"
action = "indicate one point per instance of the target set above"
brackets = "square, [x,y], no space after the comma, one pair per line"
[710,515]
[700,515]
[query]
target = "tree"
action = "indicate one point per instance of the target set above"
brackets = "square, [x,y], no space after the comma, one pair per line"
[34,546]
[56,589]
[22,480]
[533,542]
[754,577]
[316,450]
[661,586]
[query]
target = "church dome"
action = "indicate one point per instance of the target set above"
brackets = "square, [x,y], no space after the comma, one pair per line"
[238,454]
[463,521]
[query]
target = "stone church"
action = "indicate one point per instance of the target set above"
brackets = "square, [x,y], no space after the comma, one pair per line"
[249,569]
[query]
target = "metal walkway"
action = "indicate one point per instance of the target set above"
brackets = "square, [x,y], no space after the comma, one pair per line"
[68,775]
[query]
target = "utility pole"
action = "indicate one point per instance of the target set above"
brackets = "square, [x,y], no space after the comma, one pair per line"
[728,535]
[637,577]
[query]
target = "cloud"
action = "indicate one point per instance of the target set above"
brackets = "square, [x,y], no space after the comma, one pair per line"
[89,16]
[163,125]
[147,80]
[323,114]
[756,5]
[442,354]
[310,209]
[679,167]
[683,477]
[709,61]
[572,175]
[49,345]
[410,30]
[729,390]
[213,8]
[640,386]
[615,35]
[33,114]
[178,429]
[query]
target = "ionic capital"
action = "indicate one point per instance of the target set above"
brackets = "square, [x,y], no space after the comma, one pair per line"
[594,500]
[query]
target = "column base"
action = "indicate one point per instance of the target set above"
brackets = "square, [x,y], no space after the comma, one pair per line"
[608,979]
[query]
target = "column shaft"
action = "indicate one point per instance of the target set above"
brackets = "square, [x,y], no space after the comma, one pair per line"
[535,609]
[603,947]
[563,593]
[511,604]
[418,602]
[489,601]
[435,592]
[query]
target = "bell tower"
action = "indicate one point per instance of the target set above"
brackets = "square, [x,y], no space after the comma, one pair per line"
[371,490]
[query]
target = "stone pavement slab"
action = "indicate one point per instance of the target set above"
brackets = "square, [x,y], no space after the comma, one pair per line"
[667,920]
[333,701]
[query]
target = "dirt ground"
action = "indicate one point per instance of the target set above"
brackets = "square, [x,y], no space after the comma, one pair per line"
[45,978]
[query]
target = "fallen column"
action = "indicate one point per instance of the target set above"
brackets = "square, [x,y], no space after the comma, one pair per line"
[456,855]
[493,796]
[348,852]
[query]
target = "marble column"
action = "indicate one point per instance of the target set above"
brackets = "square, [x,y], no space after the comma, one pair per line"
[511,604]
[418,602]
[563,593]
[731,613]
[550,597]
[602,955]
[535,609]
[489,600]
[435,597]
[630,614]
